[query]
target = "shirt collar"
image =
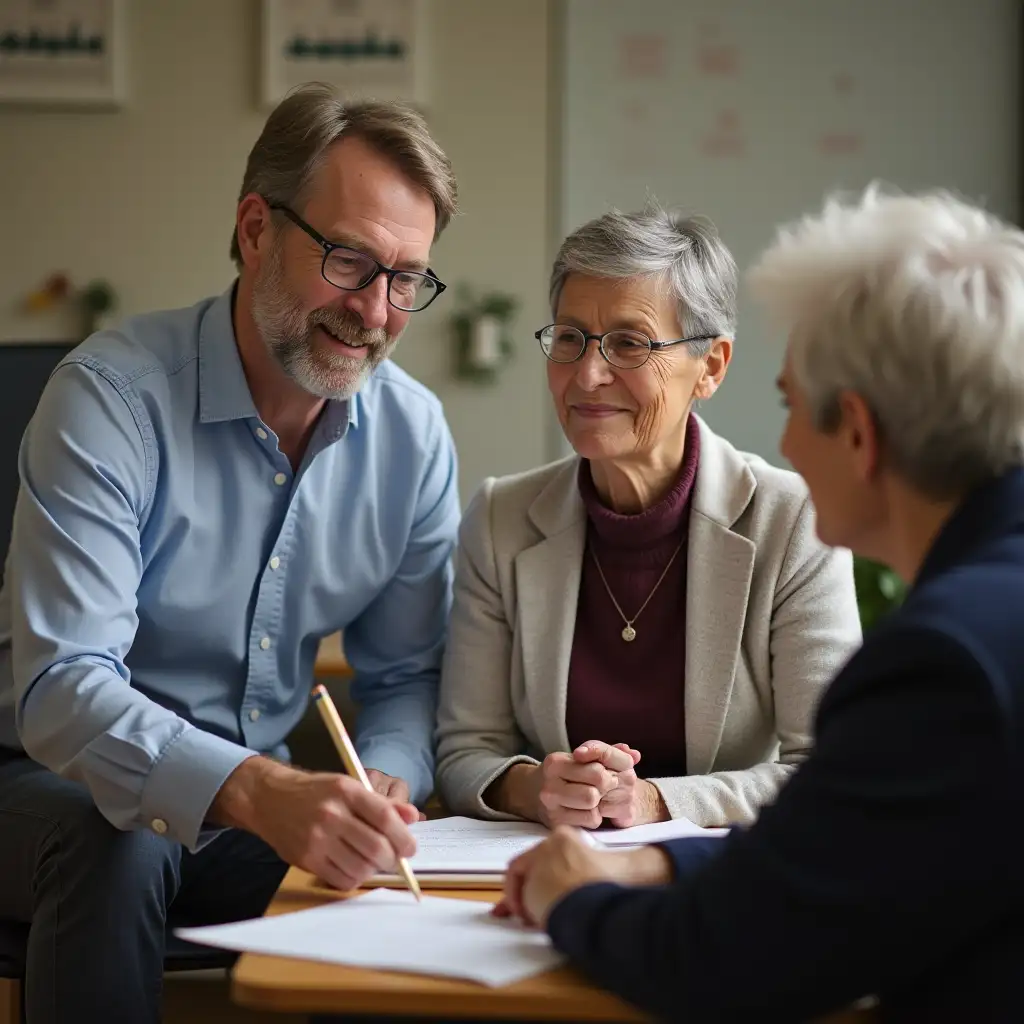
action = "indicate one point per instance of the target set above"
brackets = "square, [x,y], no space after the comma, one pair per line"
[223,390]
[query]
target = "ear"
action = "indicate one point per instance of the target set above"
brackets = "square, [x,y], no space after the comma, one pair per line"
[716,363]
[255,229]
[859,429]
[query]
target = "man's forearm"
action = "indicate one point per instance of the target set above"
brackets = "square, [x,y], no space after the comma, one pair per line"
[237,801]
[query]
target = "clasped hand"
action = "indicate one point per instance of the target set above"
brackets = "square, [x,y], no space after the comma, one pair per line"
[596,781]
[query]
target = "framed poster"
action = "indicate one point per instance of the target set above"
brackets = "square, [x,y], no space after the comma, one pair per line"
[364,48]
[62,52]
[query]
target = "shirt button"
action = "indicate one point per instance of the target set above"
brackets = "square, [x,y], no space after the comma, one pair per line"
[275,562]
[159,826]
[265,643]
[261,433]
[254,715]
[280,478]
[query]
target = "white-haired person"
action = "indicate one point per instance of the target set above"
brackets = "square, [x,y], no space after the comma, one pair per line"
[640,631]
[890,864]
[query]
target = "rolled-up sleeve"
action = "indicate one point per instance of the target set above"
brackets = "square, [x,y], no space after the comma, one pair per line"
[396,645]
[88,466]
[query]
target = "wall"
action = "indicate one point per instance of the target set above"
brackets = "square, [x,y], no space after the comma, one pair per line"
[144,196]
[751,112]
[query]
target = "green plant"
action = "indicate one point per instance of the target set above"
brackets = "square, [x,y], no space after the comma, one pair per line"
[96,298]
[469,309]
[879,590]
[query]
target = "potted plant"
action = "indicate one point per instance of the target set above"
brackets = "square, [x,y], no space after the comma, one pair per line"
[879,590]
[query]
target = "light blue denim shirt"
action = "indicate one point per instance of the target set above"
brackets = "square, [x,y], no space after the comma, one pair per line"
[170,576]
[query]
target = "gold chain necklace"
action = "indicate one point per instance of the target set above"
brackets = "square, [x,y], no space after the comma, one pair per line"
[628,632]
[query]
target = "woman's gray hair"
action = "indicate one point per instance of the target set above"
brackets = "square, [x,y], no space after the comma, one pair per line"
[311,118]
[916,303]
[685,252]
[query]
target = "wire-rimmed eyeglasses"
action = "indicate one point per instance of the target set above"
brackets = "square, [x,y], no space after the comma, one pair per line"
[625,349]
[351,270]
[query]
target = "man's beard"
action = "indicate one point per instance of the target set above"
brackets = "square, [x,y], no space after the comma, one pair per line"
[288,333]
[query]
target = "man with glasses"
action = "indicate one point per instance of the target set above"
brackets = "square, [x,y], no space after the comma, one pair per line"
[205,494]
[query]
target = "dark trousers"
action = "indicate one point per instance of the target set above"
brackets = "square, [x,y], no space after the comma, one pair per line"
[99,901]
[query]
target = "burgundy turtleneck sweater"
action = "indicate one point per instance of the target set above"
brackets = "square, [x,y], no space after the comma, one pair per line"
[632,692]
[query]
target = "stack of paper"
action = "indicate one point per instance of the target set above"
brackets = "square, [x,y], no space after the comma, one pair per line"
[391,931]
[467,853]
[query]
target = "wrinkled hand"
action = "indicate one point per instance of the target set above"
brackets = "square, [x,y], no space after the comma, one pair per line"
[328,824]
[597,780]
[538,879]
[633,801]
[572,786]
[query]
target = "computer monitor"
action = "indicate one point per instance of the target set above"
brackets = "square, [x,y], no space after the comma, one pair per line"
[25,366]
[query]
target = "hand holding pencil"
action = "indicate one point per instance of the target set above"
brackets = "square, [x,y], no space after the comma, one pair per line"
[350,759]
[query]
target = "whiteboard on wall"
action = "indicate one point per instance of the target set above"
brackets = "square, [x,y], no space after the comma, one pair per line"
[751,111]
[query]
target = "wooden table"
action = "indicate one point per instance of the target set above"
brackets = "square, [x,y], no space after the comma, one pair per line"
[301,986]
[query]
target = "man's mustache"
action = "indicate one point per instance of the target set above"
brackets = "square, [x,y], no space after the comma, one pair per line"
[349,327]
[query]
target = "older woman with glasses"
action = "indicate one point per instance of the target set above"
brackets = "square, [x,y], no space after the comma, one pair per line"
[640,631]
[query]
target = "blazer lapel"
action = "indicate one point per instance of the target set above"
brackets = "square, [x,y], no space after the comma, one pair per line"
[720,566]
[548,585]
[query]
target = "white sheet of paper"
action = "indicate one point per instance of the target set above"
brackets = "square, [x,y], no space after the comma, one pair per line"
[466,845]
[656,832]
[389,930]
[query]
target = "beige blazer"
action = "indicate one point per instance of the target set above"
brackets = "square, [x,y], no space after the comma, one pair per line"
[771,616]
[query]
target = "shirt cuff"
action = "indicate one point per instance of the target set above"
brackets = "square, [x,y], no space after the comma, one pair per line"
[689,855]
[183,783]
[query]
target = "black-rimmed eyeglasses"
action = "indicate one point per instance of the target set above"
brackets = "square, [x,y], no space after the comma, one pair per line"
[625,349]
[352,270]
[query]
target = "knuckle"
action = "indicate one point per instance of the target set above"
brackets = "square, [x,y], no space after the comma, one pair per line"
[550,799]
[382,853]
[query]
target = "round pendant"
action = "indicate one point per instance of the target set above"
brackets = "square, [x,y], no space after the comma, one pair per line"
[628,634]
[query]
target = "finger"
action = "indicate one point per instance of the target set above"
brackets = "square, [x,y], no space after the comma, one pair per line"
[380,782]
[382,817]
[501,909]
[350,865]
[327,871]
[632,751]
[579,819]
[569,795]
[408,813]
[399,791]
[615,803]
[612,758]
[564,835]
[367,844]
[515,876]
[553,764]
[595,775]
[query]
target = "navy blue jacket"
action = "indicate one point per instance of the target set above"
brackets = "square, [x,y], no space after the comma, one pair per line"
[892,863]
